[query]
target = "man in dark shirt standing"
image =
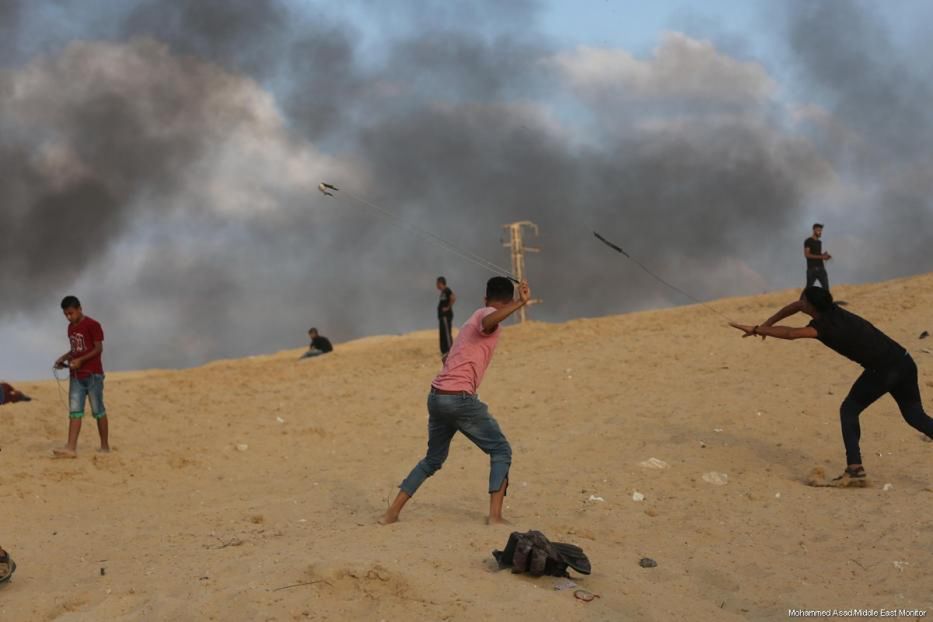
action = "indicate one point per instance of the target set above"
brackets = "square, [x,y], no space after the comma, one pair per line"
[889,368]
[813,251]
[445,316]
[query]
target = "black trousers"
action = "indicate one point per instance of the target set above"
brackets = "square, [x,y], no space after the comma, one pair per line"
[900,380]
[446,337]
[818,274]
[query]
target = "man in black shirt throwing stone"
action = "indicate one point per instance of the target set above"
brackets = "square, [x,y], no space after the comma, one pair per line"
[445,316]
[813,251]
[888,366]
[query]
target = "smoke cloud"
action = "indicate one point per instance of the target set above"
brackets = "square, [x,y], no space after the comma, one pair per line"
[161,163]
[879,128]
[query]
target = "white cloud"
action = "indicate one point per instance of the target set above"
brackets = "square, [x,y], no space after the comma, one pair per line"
[681,68]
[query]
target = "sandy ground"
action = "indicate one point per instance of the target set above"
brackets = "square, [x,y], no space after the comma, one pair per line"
[181,524]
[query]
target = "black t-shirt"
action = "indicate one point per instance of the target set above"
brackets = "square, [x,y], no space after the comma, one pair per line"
[816,248]
[444,301]
[322,344]
[857,339]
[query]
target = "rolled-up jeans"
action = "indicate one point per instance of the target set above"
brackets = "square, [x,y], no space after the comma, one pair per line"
[449,414]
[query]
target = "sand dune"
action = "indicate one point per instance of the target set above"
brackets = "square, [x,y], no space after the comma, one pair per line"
[184,525]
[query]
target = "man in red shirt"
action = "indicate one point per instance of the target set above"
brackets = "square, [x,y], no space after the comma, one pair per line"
[87,375]
[453,405]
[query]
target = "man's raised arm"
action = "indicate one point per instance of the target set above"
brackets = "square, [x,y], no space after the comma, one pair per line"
[491,321]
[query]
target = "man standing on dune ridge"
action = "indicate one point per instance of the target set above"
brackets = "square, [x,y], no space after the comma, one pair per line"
[813,251]
[445,316]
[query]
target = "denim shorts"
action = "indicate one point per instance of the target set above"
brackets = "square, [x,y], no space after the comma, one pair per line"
[80,389]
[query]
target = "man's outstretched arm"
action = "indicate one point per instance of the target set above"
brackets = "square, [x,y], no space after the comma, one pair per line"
[787,311]
[779,332]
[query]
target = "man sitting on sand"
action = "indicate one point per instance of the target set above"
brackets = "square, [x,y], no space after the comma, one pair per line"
[454,406]
[318,346]
[9,395]
[888,366]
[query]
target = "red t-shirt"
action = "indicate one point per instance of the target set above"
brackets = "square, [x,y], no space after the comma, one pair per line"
[83,337]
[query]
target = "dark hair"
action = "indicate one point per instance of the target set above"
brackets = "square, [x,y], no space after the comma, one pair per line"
[70,302]
[817,225]
[312,330]
[820,298]
[500,289]
[442,280]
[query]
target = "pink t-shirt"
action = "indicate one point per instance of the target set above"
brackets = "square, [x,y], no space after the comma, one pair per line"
[469,356]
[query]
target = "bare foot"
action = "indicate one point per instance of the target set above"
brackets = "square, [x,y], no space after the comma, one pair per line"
[497,520]
[388,518]
[64,452]
[103,450]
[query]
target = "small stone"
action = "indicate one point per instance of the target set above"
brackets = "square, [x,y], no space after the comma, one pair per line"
[647,562]
[654,463]
[714,477]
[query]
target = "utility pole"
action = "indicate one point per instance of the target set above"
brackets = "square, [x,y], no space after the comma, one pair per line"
[517,245]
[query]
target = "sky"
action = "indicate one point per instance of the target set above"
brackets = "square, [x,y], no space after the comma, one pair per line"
[160,161]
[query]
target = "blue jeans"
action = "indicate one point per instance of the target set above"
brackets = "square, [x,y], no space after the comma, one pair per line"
[449,414]
[80,389]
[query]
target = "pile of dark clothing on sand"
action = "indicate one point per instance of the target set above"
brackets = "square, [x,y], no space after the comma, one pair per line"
[7,566]
[8,394]
[533,553]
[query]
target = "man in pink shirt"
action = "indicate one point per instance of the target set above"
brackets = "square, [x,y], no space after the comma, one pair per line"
[454,406]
